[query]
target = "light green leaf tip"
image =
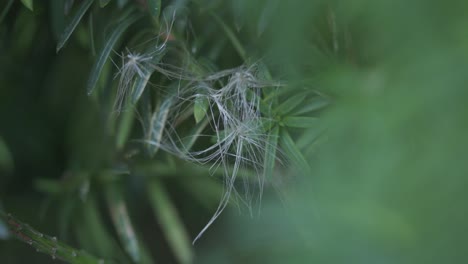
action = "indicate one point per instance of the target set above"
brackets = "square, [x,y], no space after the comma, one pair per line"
[28,4]
[103,3]
[199,109]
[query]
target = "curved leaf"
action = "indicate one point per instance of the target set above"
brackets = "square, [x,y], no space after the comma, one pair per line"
[74,22]
[107,48]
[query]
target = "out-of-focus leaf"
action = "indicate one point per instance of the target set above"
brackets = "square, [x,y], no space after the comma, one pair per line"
[293,152]
[123,225]
[73,23]
[204,190]
[91,34]
[6,160]
[103,3]
[232,37]
[28,4]
[91,232]
[238,9]
[300,121]
[291,103]
[154,7]
[270,152]
[121,3]
[107,48]
[124,128]
[314,104]
[5,10]
[172,225]
[4,233]
[57,16]
[266,16]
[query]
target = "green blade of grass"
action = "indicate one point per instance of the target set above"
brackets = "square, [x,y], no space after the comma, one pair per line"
[154,7]
[172,225]
[300,121]
[270,152]
[293,152]
[106,50]
[47,244]
[74,22]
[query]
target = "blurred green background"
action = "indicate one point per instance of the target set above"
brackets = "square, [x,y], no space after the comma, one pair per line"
[387,172]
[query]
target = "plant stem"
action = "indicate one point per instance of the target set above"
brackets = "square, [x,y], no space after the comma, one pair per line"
[47,244]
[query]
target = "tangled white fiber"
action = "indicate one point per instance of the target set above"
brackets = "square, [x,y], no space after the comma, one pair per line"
[232,111]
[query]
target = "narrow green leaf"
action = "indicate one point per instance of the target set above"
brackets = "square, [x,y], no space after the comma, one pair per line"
[205,190]
[239,13]
[270,152]
[103,3]
[316,103]
[172,225]
[300,121]
[6,159]
[91,34]
[293,152]
[141,81]
[266,16]
[28,4]
[309,136]
[291,103]
[47,244]
[57,17]
[5,10]
[103,54]
[122,223]
[199,108]
[140,85]
[124,128]
[194,134]
[157,124]
[154,7]
[232,37]
[91,231]
[74,22]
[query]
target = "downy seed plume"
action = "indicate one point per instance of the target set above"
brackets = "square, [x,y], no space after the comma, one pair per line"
[233,113]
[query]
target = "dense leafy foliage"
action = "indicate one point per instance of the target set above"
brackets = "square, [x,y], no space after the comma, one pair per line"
[130,129]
